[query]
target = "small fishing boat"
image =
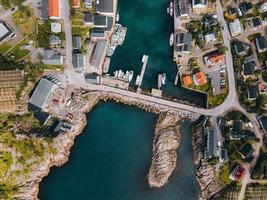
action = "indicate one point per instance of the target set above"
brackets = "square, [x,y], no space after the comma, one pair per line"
[171,39]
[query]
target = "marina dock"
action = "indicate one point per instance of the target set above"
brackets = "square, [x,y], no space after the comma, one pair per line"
[144,61]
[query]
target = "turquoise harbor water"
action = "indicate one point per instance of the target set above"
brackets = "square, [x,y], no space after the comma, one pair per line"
[111,159]
[149,29]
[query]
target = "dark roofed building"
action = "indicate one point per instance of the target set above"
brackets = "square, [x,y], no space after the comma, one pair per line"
[209,20]
[211,149]
[263,122]
[182,8]
[236,131]
[253,92]
[100,21]
[240,48]
[246,151]
[233,11]
[76,42]
[98,54]
[261,43]
[246,7]
[93,78]
[88,19]
[254,23]
[105,7]
[249,66]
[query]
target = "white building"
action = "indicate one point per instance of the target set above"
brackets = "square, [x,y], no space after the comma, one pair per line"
[56,27]
[235,28]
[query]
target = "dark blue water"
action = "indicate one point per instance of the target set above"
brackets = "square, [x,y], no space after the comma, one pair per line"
[111,158]
[149,29]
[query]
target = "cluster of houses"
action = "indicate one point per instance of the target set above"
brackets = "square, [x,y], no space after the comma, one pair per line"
[51,56]
[100,21]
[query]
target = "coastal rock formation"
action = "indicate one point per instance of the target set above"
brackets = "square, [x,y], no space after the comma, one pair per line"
[166,142]
[206,174]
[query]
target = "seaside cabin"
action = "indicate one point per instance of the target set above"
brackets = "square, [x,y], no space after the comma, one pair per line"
[105,7]
[41,97]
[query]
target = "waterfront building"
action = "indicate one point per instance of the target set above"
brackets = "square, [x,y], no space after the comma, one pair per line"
[182,8]
[100,21]
[50,57]
[78,60]
[261,44]
[88,3]
[55,27]
[93,78]
[214,59]
[5,31]
[211,149]
[76,3]
[105,7]
[40,98]
[99,54]
[183,42]
[200,78]
[199,5]
[97,33]
[54,9]
[76,42]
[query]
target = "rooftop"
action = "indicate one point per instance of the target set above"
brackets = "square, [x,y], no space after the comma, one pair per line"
[98,53]
[54,11]
[200,78]
[187,80]
[105,6]
[5,31]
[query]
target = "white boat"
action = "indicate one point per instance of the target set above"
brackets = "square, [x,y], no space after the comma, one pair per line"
[163,79]
[171,9]
[117,17]
[120,74]
[131,73]
[168,10]
[116,73]
[171,39]
[138,79]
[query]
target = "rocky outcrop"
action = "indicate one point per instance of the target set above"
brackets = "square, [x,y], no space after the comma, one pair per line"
[206,174]
[166,142]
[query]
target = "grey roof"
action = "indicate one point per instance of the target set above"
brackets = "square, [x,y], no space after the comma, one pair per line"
[76,42]
[253,92]
[249,66]
[261,43]
[100,21]
[42,93]
[98,54]
[88,2]
[104,6]
[256,22]
[92,78]
[54,40]
[5,31]
[88,17]
[78,61]
[50,57]
[240,48]
[183,42]
[97,33]
[211,149]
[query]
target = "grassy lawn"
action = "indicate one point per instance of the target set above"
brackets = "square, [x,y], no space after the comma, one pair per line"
[25,20]
[82,31]
[4,48]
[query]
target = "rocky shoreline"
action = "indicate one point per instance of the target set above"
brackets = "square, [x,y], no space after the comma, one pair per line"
[205,173]
[166,142]
[63,142]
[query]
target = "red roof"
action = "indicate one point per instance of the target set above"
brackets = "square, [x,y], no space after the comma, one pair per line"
[76,3]
[54,8]
[216,58]
[187,80]
[200,78]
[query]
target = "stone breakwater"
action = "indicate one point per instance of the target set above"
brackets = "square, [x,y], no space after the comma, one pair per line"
[207,176]
[166,142]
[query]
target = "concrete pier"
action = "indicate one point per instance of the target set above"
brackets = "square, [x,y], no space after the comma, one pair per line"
[144,61]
